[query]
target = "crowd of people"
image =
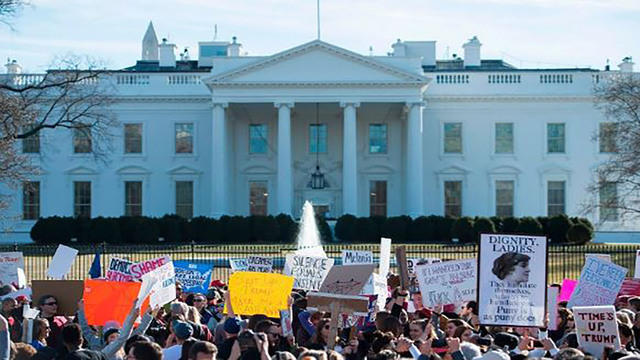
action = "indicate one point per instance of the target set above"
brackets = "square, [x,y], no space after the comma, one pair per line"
[197,327]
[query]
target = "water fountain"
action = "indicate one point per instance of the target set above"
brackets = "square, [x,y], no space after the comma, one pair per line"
[308,239]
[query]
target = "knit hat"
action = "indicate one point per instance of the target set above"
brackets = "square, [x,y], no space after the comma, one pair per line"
[107,333]
[470,350]
[182,329]
[231,326]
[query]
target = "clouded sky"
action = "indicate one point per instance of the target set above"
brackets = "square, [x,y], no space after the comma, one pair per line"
[526,33]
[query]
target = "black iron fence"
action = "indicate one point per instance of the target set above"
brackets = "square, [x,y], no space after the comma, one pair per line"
[564,261]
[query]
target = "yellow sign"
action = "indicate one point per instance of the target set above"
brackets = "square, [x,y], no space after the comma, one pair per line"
[259,293]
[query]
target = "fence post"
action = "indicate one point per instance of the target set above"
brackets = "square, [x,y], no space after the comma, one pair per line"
[193,250]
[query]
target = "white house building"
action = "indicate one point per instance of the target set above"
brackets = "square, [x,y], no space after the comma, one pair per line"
[364,135]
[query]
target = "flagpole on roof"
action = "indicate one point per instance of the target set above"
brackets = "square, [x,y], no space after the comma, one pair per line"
[318,15]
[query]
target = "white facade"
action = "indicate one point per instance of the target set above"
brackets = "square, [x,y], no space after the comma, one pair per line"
[413,97]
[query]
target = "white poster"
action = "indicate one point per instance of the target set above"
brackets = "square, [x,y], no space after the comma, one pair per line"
[509,293]
[10,262]
[353,257]
[61,262]
[636,274]
[599,283]
[596,327]
[259,264]
[449,282]
[411,263]
[163,288]
[605,257]
[552,306]
[385,257]
[138,270]
[308,271]
[239,264]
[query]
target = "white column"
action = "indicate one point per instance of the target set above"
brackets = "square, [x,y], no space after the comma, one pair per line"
[285,175]
[349,160]
[219,176]
[414,175]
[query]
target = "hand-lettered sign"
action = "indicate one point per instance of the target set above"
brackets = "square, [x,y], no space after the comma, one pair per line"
[308,271]
[449,282]
[596,327]
[259,293]
[194,277]
[599,283]
[259,264]
[118,270]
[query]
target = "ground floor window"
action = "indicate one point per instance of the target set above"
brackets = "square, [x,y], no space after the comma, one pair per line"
[82,199]
[378,198]
[453,198]
[258,196]
[133,198]
[184,199]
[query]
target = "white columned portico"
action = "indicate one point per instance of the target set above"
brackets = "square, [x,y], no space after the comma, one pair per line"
[285,174]
[219,175]
[413,168]
[349,159]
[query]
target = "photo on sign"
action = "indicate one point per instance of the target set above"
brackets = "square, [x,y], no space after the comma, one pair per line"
[509,292]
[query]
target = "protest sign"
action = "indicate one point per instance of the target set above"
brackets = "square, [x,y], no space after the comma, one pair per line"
[636,273]
[509,293]
[146,266]
[238,264]
[285,323]
[568,285]
[10,262]
[308,271]
[259,293]
[66,292]
[552,306]
[599,283]
[385,257]
[377,287]
[109,300]
[195,277]
[259,264]
[347,280]
[336,305]
[353,257]
[61,262]
[119,270]
[596,327]
[605,257]
[449,282]
[163,289]
[411,263]
[401,262]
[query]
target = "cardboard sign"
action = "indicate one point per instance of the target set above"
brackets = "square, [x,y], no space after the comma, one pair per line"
[376,287]
[194,277]
[238,264]
[552,306]
[509,292]
[61,262]
[568,285]
[147,266]
[337,305]
[347,280]
[10,262]
[596,327]
[449,282]
[308,271]
[259,293]
[599,283]
[401,261]
[636,273]
[285,323]
[119,270]
[66,292]
[163,290]
[353,257]
[109,300]
[385,257]
[259,264]
[411,263]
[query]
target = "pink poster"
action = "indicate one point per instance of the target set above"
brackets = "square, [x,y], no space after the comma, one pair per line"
[568,285]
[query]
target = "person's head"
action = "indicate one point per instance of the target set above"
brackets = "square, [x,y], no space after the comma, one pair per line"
[626,333]
[41,329]
[634,304]
[186,347]
[271,329]
[202,350]
[569,354]
[8,305]
[178,290]
[624,318]
[283,355]
[247,341]
[381,316]
[199,301]
[417,329]
[182,330]
[323,329]
[72,335]
[24,351]
[111,331]
[463,332]
[313,355]
[134,339]
[48,305]
[392,324]
[231,327]
[193,314]
[565,319]
[144,350]
[470,308]
[452,325]
[179,308]
[387,355]
[254,320]
[512,266]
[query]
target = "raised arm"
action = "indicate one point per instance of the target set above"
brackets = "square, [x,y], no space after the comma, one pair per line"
[110,350]
[146,321]
[92,338]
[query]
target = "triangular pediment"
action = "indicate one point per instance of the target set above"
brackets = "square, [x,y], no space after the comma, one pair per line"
[317,62]
[81,170]
[184,170]
[133,170]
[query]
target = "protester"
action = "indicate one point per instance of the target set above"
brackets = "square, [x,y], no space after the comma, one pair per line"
[48,306]
[41,332]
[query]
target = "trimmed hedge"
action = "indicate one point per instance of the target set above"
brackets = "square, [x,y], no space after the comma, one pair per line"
[282,229]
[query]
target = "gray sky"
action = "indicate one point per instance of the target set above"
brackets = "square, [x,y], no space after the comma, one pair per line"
[526,33]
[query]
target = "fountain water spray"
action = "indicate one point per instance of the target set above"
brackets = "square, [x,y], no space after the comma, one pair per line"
[308,239]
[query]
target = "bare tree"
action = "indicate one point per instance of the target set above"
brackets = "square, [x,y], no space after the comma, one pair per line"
[616,187]
[75,96]
[9,9]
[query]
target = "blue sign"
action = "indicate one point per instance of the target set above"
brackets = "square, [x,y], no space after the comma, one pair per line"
[195,277]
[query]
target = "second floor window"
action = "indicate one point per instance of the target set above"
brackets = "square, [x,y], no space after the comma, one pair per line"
[453,138]
[184,138]
[607,137]
[132,138]
[82,141]
[556,138]
[504,138]
[377,138]
[258,139]
[318,138]
[31,144]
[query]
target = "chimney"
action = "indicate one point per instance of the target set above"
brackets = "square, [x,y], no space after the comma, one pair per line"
[234,47]
[626,65]
[167,54]
[399,49]
[472,52]
[13,67]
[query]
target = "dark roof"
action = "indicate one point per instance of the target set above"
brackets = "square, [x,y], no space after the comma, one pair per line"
[154,66]
[489,65]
